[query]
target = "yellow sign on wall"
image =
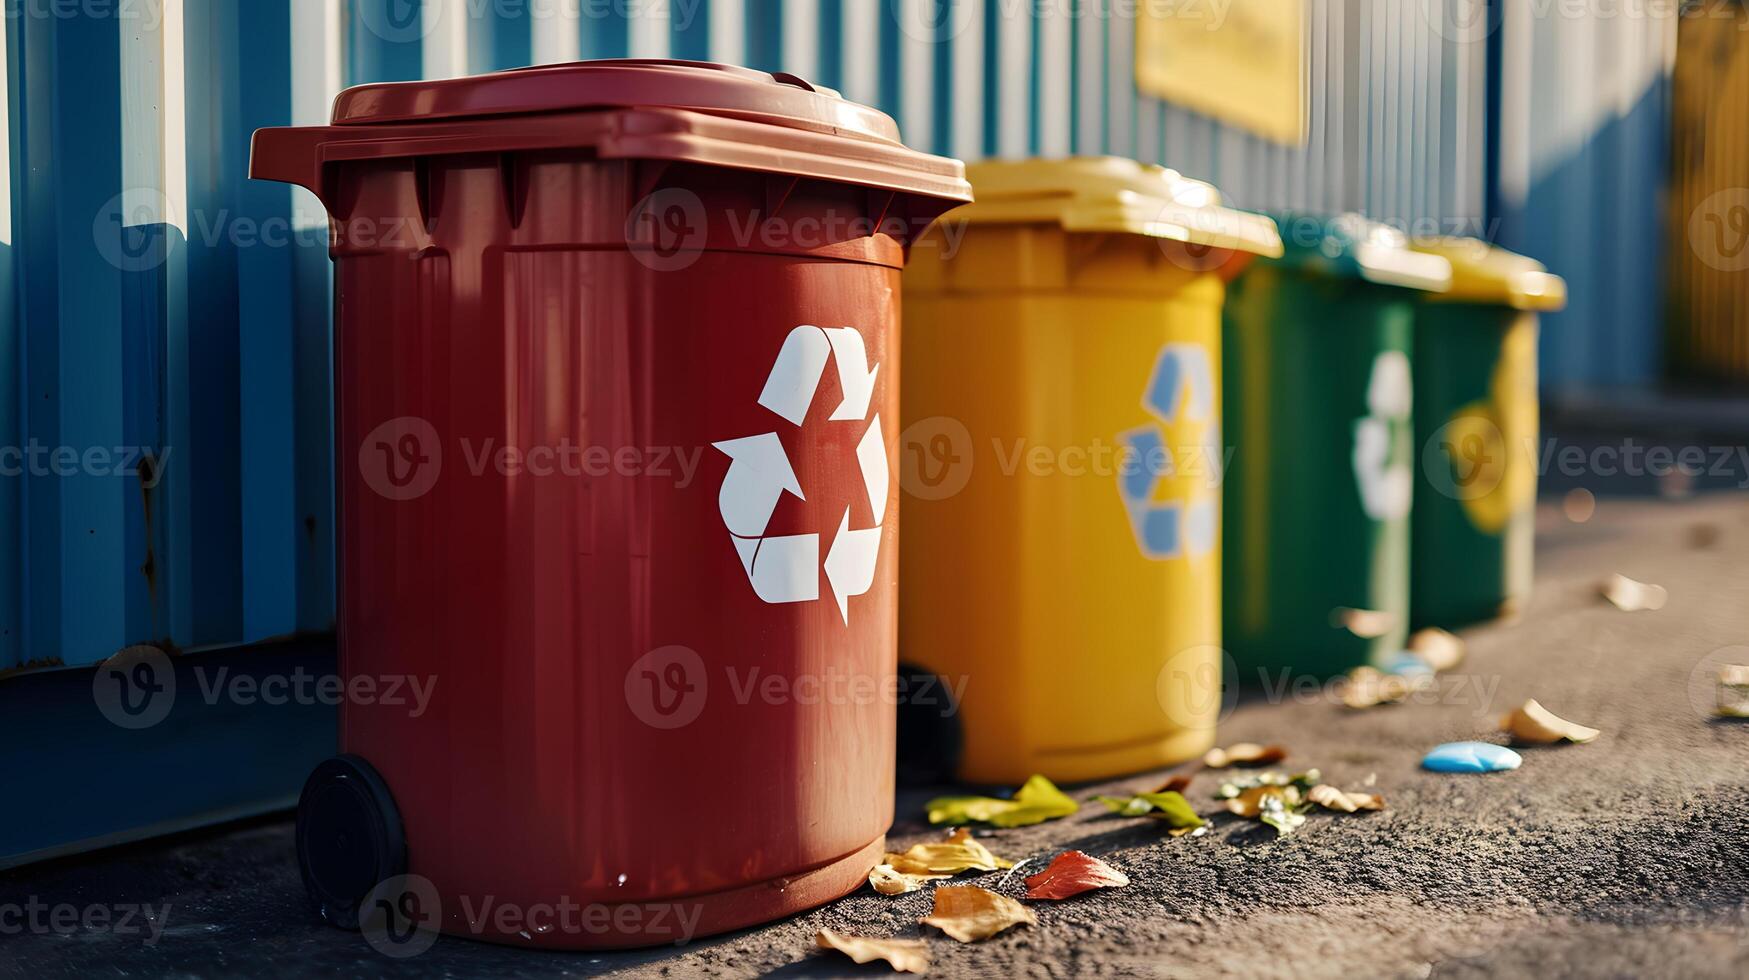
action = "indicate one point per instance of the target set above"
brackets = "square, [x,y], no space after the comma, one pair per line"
[1242,62]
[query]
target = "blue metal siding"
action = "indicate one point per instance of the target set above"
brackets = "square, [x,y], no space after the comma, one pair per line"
[214,353]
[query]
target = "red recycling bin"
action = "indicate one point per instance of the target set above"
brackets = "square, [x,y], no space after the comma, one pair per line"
[616,362]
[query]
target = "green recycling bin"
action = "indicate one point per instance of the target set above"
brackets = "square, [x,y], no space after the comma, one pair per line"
[1318,348]
[1476,429]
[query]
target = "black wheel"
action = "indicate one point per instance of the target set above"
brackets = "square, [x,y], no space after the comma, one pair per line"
[349,837]
[930,735]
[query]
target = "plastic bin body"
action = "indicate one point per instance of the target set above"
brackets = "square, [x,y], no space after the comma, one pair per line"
[1035,350]
[1476,429]
[1319,347]
[619,720]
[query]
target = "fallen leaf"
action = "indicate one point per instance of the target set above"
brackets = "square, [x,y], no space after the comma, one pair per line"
[1175,784]
[1037,801]
[1631,596]
[1369,687]
[1170,807]
[1368,624]
[903,955]
[1533,724]
[1441,650]
[1072,873]
[1733,691]
[890,881]
[1285,819]
[960,852]
[1301,781]
[969,913]
[1250,803]
[1331,798]
[1244,754]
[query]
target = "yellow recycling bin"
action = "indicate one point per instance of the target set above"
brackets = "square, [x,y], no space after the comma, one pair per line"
[1060,567]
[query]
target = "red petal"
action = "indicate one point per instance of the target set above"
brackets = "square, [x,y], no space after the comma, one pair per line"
[1071,874]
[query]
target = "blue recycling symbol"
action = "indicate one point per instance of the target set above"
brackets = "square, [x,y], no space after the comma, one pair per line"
[1180,389]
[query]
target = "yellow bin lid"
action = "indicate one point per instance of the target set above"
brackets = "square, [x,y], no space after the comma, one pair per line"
[1111,194]
[1484,273]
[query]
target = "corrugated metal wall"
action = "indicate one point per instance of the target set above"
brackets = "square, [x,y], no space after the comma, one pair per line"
[165,302]
[1584,137]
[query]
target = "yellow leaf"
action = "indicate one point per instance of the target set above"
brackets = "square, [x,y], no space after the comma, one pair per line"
[1331,798]
[1441,650]
[903,955]
[1631,596]
[1244,754]
[1534,724]
[969,913]
[959,852]
[1035,802]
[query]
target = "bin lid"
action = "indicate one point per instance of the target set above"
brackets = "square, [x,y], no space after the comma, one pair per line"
[1484,273]
[676,110]
[1110,194]
[1353,246]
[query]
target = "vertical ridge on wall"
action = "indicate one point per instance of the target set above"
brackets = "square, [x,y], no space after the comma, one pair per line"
[11,395]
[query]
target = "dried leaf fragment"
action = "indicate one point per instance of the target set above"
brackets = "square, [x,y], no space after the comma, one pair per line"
[969,913]
[1170,807]
[1533,724]
[903,955]
[1072,873]
[1368,624]
[1331,798]
[1441,650]
[1174,784]
[1369,687]
[1733,692]
[1631,596]
[1244,754]
[1035,802]
[1250,803]
[887,880]
[960,852]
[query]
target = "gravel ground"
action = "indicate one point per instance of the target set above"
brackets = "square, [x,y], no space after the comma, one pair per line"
[1625,857]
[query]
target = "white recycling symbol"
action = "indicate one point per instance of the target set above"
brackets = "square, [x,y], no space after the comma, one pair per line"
[1386,484]
[786,568]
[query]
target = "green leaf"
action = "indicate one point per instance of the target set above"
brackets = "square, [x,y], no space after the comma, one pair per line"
[1170,807]
[1284,819]
[1035,802]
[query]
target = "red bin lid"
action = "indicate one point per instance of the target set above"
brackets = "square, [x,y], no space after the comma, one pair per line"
[723,90]
[674,110]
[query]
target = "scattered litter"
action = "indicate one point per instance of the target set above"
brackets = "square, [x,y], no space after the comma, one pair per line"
[1274,798]
[1331,798]
[1407,663]
[1244,754]
[1368,624]
[969,913]
[1302,781]
[1442,650]
[1702,537]
[903,955]
[1733,691]
[1073,873]
[1170,807]
[1037,801]
[1471,757]
[1369,687]
[1533,724]
[1631,596]
[1579,505]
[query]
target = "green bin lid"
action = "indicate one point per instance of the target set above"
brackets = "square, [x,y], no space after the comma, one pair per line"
[1354,247]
